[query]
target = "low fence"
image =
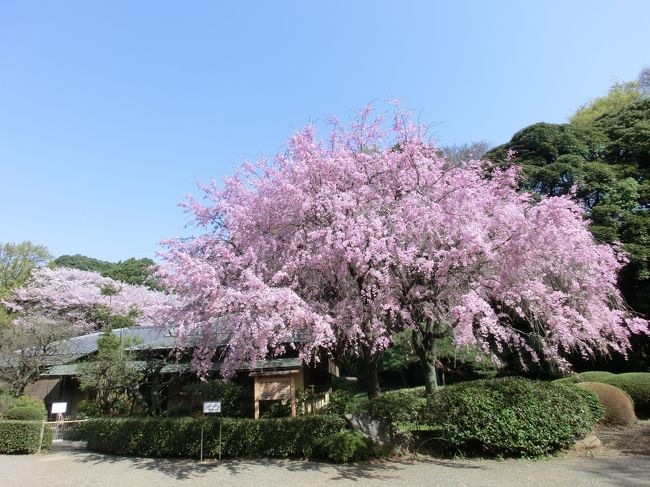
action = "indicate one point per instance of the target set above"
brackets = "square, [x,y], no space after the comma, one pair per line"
[64,429]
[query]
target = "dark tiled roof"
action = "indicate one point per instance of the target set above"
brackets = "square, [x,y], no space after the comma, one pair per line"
[176,368]
[145,337]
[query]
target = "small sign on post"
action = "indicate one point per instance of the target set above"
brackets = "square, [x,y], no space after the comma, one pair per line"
[59,407]
[211,407]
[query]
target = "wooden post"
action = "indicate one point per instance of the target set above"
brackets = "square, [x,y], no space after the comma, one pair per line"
[292,388]
[256,398]
[40,441]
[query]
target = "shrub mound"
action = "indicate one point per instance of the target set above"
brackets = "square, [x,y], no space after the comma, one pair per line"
[24,413]
[397,407]
[596,376]
[512,416]
[180,437]
[23,436]
[344,446]
[637,385]
[619,409]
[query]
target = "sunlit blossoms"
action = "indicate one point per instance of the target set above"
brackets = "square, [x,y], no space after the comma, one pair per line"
[372,231]
[73,295]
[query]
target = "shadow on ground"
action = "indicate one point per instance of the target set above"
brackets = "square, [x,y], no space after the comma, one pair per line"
[184,469]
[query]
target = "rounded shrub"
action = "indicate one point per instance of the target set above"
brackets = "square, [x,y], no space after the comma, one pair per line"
[24,413]
[619,409]
[637,385]
[344,446]
[512,416]
[31,402]
[595,376]
[397,407]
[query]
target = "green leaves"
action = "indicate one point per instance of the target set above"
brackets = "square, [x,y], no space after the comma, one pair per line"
[512,416]
[157,437]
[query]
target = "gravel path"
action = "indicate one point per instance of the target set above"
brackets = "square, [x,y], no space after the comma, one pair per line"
[69,466]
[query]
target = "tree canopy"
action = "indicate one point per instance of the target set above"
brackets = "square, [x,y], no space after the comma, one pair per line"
[373,231]
[607,162]
[139,272]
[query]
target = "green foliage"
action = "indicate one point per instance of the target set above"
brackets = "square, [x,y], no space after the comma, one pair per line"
[17,262]
[24,413]
[342,402]
[32,402]
[236,400]
[637,385]
[512,416]
[275,409]
[595,376]
[619,96]
[344,446]
[110,374]
[605,153]
[130,271]
[6,401]
[89,409]
[180,437]
[23,436]
[397,407]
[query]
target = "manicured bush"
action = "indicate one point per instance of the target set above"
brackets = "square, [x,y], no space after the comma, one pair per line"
[637,385]
[619,409]
[23,436]
[596,376]
[344,446]
[512,416]
[180,437]
[24,413]
[8,401]
[397,407]
[342,402]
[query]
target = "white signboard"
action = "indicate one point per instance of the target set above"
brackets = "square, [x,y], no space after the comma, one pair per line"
[59,407]
[211,407]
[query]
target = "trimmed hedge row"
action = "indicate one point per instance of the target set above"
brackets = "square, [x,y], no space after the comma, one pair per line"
[512,416]
[180,437]
[23,436]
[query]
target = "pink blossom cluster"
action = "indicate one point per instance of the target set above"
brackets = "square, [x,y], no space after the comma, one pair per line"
[372,231]
[71,294]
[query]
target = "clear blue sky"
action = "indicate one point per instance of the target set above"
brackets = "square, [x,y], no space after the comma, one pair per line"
[111,112]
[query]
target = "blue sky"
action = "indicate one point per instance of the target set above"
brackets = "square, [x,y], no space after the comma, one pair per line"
[111,112]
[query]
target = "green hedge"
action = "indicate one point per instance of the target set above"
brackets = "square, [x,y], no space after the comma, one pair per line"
[344,446]
[24,413]
[512,416]
[180,437]
[397,407]
[23,436]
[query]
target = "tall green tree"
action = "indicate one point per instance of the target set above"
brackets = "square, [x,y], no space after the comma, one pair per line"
[607,161]
[17,262]
[111,375]
[619,96]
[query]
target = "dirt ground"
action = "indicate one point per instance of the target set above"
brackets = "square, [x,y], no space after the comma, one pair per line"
[622,461]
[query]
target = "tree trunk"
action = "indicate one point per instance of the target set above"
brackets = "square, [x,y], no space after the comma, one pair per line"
[425,346]
[371,363]
[428,366]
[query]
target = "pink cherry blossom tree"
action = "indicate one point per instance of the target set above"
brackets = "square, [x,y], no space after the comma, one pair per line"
[373,231]
[76,296]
